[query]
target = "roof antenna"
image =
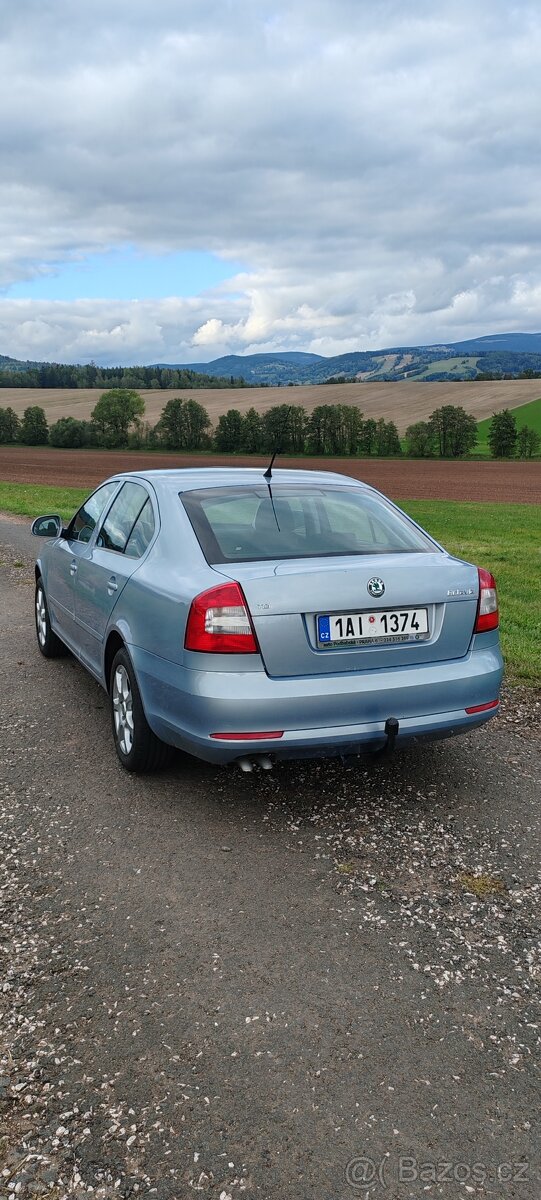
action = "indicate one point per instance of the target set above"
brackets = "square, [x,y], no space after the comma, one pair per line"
[268,473]
[278,450]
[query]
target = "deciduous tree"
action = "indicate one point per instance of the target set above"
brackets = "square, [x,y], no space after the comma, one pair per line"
[183,425]
[368,436]
[10,426]
[284,428]
[228,435]
[502,434]
[115,413]
[34,430]
[528,442]
[455,431]
[420,440]
[393,444]
[252,432]
[69,433]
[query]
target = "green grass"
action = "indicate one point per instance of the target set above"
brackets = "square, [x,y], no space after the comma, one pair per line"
[505,538]
[525,414]
[29,500]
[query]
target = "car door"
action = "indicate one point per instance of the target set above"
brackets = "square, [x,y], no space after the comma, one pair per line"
[125,532]
[64,559]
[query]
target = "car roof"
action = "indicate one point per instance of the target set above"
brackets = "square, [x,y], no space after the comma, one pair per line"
[189,478]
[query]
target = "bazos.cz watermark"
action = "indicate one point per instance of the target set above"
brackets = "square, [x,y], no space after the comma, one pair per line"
[365,1174]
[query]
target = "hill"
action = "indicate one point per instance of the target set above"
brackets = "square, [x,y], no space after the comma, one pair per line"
[402,403]
[16,364]
[496,356]
[517,343]
[225,365]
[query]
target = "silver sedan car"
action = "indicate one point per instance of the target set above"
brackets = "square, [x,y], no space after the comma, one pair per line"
[248,617]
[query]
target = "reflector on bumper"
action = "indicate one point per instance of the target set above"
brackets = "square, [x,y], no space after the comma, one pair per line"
[247,737]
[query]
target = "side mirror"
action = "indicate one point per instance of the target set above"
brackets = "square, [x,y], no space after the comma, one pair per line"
[47,527]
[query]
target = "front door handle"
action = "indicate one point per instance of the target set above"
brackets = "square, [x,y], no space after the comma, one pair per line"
[112,585]
[73,566]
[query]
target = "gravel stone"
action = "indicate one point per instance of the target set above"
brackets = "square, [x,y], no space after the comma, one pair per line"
[359,977]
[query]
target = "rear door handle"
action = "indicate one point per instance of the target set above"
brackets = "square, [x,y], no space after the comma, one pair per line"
[112,585]
[73,567]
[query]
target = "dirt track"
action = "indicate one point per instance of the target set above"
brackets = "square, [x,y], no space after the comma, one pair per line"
[507,482]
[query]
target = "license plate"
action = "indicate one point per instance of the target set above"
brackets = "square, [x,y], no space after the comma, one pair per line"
[392,625]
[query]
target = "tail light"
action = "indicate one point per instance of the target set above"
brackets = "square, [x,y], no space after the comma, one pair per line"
[487,608]
[219,622]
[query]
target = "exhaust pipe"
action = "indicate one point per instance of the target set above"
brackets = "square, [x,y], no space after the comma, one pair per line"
[259,760]
[264,762]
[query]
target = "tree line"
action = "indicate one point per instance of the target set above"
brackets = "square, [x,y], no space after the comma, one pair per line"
[117,420]
[61,375]
[451,433]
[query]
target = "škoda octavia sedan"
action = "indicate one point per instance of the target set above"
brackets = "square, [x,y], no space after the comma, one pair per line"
[252,618]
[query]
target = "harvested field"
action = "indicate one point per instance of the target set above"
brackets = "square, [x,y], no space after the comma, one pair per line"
[402,403]
[407,479]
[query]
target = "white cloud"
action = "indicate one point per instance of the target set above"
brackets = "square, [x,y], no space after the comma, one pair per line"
[375,165]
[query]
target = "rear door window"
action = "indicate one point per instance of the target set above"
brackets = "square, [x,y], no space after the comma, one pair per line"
[142,532]
[121,520]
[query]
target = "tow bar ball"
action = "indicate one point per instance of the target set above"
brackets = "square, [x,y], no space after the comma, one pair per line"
[391,730]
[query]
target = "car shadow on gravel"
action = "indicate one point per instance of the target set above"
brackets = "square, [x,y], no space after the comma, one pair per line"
[422,779]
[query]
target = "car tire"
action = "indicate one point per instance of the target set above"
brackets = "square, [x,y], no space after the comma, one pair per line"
[138,748]
[49,644]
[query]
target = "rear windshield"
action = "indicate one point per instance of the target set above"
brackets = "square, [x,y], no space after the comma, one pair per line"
[255,524]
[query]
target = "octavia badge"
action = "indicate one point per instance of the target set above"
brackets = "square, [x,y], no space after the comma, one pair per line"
[376,587]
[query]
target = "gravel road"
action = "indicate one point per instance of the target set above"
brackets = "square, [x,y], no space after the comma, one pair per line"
[316,984]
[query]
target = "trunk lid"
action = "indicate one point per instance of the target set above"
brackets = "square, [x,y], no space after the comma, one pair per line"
[286,597]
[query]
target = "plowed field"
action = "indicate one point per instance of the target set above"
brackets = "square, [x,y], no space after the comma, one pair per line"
[408,479]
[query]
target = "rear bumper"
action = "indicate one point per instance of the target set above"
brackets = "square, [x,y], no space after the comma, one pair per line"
[320,715]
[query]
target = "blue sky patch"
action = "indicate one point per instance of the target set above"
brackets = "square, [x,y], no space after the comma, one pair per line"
[128,274]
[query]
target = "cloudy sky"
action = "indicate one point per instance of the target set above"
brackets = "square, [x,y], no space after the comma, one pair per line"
[186,178]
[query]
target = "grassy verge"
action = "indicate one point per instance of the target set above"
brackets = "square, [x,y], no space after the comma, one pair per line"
[29,500]
[506,539]
[502,537]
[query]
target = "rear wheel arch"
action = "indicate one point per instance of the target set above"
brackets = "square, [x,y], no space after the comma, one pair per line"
[114,643]
[137,746]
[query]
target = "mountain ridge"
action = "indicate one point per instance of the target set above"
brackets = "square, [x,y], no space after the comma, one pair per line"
[493,356]
[497,354]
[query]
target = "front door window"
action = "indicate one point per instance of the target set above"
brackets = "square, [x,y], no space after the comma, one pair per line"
[84,522]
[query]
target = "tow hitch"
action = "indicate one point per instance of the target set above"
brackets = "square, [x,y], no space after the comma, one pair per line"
[391,730]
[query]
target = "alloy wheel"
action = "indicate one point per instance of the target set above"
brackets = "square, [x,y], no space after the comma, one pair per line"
[123,709]
[41,616]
